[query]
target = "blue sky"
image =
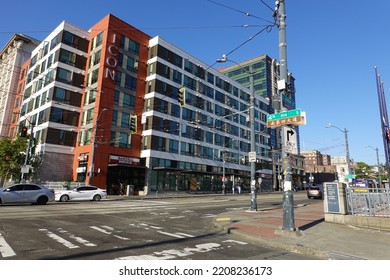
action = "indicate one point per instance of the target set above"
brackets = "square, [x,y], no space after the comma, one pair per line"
[332,48]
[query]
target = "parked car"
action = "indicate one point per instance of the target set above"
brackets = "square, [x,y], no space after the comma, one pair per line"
[26,193]
[314,192]
[81,193]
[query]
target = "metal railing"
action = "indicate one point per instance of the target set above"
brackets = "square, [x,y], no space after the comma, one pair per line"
[373,202]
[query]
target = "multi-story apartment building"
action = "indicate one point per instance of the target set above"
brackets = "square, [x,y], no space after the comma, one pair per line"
[106,153]
[84,88]
[193,146]
[318,166]
[52,98]
[14,125]
[15,53]
[313,159]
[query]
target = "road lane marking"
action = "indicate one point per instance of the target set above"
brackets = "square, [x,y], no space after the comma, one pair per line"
[208,216]
[109,230]
[5,250]
[77,238]
[59,239]
[176,235]
[177,217]
[234,241]
[175,253]
[222,219]
[101,230]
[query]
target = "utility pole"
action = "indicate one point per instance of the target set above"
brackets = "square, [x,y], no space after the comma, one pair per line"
[288,200]
[253,141]
[94,143]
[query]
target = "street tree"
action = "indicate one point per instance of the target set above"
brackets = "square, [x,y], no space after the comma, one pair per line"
[12,156]
[363,170]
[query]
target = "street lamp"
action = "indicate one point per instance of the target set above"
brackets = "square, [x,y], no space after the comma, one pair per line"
[92,169]
[345,131]
[251,72]
[377,162]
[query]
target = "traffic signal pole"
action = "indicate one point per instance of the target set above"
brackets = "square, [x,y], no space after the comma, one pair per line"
[288,199]
[27,158]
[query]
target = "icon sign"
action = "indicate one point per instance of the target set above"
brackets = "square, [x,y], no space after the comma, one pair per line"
[290,140]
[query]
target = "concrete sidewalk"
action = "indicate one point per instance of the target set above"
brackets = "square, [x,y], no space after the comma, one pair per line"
[314,235]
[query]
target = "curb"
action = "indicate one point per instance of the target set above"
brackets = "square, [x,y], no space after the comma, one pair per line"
[225,224]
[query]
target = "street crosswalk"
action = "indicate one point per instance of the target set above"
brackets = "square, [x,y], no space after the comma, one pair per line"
[91,236]
[5,249]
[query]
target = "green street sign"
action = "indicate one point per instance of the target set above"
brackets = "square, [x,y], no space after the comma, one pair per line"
[350,176]
[284,115]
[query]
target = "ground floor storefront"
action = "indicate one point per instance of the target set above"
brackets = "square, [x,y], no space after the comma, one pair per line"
[143,176]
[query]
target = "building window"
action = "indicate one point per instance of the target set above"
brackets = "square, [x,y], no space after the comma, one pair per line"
[125,120]
[63,75]
[114,118]
[124,140]
[173,146]
[67,57]
[95,58]
[128,101]
[130,82]
[97,41]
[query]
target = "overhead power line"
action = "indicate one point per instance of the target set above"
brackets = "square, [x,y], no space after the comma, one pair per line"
[265,4]
[239,11]
[268,28]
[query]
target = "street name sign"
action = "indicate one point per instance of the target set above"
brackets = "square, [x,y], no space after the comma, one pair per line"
[287,121]
[293,117]
[284,115]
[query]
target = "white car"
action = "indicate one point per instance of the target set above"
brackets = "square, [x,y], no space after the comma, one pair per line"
[81,193]
[26,193]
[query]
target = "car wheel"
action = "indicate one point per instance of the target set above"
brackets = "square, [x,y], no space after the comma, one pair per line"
[42,200]
[64,198]
[96,197]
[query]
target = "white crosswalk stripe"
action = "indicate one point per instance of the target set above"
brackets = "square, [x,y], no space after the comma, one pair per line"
[59,239]
[77,238]
[5,250]
[176,235]
[109,231]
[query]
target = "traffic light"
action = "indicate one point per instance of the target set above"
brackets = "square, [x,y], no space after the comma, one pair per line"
[182,96]
[133,124]
[23,133]
[33,145]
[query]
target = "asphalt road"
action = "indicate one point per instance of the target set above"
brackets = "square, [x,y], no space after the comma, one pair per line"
[161,229]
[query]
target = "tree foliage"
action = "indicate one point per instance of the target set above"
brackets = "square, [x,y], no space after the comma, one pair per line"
[12,156]
[362,170]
